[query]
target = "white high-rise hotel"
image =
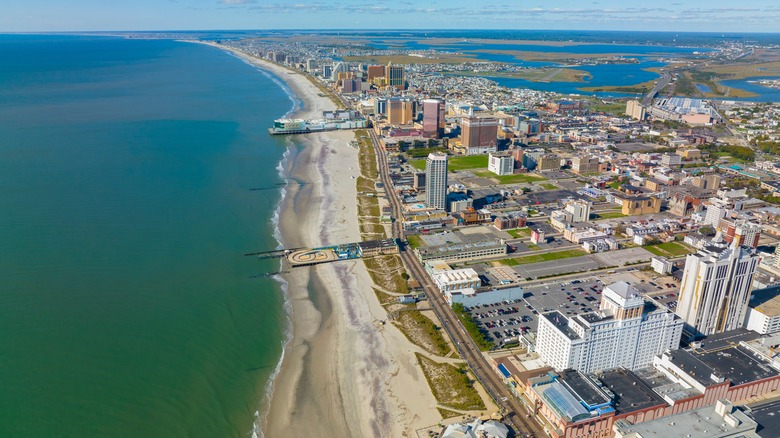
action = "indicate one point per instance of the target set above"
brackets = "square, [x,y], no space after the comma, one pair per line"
[716,287]
[626,332]
[436,181]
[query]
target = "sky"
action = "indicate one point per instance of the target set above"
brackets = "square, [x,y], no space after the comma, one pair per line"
[661,15]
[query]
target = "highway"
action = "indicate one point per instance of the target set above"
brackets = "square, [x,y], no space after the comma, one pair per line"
[664,81]
[515,413]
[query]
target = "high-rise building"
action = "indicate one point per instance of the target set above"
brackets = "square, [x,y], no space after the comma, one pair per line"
[327,71]
[716,288]
[479,135]
[400,111]
[433,118]
[380,105]
[626,332]
[340,67]
[395,76]
[635,110]
[436,181]
[375,71]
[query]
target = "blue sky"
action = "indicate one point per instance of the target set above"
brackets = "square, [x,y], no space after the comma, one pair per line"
[675,15]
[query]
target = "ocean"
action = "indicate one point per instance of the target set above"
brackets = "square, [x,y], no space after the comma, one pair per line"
[127,306]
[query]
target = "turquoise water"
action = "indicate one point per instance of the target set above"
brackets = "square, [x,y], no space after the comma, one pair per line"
[127,307]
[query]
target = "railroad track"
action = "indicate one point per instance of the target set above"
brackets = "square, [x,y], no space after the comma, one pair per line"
[514,412]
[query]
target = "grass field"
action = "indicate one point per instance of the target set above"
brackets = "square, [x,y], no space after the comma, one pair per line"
[519,232]
[455,164]
[546,257]
[451,385]
[517,178]
[607,215]
[548,186]
[406,59]
[534,75]
[669,249]
[415,241]
[554,56]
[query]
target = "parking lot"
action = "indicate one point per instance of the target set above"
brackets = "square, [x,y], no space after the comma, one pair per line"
[583,263]
[504,322]
[569,297]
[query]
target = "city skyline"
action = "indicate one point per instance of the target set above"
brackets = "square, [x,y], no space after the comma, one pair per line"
[667,15]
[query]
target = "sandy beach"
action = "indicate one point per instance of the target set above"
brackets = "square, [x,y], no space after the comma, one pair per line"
[344,372]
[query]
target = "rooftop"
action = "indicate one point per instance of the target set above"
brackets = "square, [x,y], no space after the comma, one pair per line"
[663,386]
[699,423]
[736,364]
[631,393]
[768,418]
[766,301]
[561,322]
[584,388]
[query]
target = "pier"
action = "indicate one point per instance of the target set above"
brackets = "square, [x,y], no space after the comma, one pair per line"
[348,251]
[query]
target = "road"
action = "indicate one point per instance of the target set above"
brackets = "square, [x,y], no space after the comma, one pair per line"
[664,81]
[515,413]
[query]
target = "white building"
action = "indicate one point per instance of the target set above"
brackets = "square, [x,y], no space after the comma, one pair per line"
[715,212]
[716,288]
[580,210]
[671,160]
[456,279]
[661,265]
[627,332]
[501,164]
[436,181]
[764,312]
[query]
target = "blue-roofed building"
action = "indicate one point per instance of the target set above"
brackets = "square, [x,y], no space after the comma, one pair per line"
[573,404]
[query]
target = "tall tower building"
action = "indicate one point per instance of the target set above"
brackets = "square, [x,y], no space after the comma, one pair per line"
[375,71]
[395,76]
[400,111]
[436,181]
[433,118]
[716,287]
[479,134]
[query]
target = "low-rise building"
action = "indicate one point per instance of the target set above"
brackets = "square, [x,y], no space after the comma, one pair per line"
[661,265]
[763,315]
[471,250]
[451,280]
[501,163]
[721,420]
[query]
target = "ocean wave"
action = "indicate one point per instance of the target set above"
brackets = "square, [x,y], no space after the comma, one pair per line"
[281,168]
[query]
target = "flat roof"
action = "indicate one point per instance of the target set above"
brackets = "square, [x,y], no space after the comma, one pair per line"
[698,423]
[561,322]
[584,388]
[736,364]
[631,393]
[766,301]
[663,386]
[768,418]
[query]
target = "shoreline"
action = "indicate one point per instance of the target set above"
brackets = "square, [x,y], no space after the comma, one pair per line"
[342,373]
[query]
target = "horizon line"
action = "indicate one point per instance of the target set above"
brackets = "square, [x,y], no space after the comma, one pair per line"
[27,32]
